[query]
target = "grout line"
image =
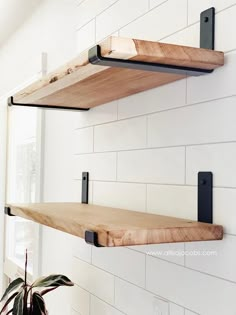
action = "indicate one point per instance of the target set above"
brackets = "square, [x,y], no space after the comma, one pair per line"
[185,165]
[161,111]
[99,298]
[95,17]
[153,183]
[167,262]
[157,148]
[217,12]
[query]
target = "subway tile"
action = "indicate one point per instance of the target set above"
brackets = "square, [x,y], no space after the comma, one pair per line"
[174,201]
[193,124]
[164,166]
[173,252]
[101,166]
[121,135]
[188,36]
[216,85]
[89,9]
[133,300]
[119,15]
[187,312]
[85,36]
[224,201]
[176,309]
[154,3]
[99,307]
[83,140]
[162,278]
[143,28]
[94,280]
[122,262]
[97,115]
[196,7]
[80,300]
[217,158]
[120,195]
[81,249]
[217,258]
[161,306]
[225,21]
[155,100]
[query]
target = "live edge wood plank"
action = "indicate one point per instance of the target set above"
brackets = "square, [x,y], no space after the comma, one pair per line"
[81,84]
[117,227]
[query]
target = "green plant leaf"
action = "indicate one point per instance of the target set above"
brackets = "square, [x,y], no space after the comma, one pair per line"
[18,306]
[47,291]
[38,304]
[8,301]
[53,281]
[12,286]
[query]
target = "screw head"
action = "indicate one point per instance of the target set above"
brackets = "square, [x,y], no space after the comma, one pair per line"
[202,182]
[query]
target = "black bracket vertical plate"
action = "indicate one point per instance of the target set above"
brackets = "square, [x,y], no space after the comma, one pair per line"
[207,29]
[205,197]
[85,187]
[91,238]
[7,211]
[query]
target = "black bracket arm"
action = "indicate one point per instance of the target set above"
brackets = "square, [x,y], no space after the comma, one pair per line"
[207,40]
[90,237]
[7,211]
[96,58]
[205,197]
[12,103]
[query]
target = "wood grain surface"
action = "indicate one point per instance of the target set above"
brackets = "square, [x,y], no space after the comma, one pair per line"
[81,84]
[117,227]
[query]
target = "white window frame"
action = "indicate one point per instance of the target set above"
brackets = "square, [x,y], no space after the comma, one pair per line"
[10,268]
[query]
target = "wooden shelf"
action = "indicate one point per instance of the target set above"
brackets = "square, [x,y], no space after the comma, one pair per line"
[116,227]
[80,84]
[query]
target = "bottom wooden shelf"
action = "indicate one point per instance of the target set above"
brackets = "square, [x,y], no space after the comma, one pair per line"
[116,227]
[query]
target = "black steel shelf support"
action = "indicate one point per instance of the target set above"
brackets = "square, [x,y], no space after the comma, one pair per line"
[12,103]
[91,238]
[96,58]
[7,211]
[205,197]
[85,187]
[207,29]
[207,40]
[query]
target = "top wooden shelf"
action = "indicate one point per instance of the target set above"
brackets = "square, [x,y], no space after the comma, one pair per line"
[116,227]
[81,84]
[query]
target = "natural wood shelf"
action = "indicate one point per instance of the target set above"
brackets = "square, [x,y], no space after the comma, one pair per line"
[116,227]
[80,84]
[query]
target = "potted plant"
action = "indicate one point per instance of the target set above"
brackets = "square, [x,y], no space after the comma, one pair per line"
[28,298]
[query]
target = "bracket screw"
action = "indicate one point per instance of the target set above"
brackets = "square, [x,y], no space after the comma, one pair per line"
[202,182]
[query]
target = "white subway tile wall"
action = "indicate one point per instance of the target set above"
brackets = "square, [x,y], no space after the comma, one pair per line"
[143,153]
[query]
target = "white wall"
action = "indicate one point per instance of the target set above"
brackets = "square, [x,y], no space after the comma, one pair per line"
[171,133]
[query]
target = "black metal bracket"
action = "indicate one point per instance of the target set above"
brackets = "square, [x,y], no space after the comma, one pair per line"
[96,58]
[91,238]
[205,197]
[85,187]
[7,211]
[207,29]
[12,103]
[207,40]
